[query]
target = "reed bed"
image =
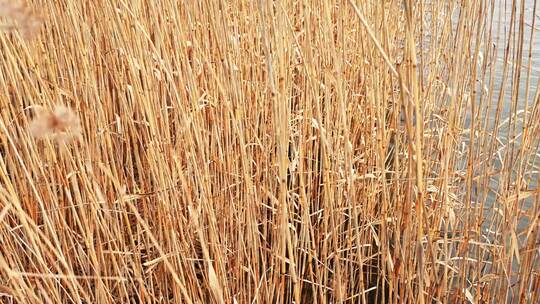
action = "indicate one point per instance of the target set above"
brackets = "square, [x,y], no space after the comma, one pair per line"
[285,151]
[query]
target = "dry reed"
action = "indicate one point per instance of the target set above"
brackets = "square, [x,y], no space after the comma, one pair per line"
[270,152]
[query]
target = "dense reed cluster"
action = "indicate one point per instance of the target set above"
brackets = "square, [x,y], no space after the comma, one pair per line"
[284,151]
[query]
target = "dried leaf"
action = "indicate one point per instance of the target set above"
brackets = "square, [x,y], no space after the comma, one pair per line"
[214,283]
[522,195]
[515,245]
[488,277]
[469,295]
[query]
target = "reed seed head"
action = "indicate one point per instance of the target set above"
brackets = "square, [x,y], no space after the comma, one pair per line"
[60,124]
[18,16]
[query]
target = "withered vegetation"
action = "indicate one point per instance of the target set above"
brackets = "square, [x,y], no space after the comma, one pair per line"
[268,152]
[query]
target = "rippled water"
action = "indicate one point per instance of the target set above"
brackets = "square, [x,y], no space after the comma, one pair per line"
[506,35]
[502,26]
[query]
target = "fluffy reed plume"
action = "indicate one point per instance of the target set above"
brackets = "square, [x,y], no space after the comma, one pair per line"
[18,16]
[273,151]
[60,124]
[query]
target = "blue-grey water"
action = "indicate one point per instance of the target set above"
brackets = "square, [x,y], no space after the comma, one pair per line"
[506,32]
[509,109]
[513,108]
